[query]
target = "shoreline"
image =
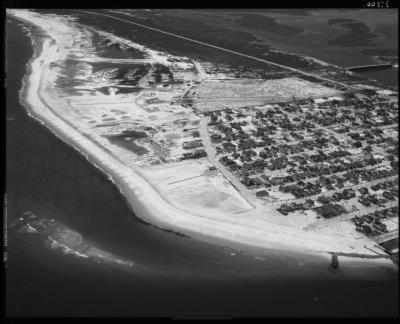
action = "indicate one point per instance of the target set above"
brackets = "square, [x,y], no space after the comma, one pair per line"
[138,193]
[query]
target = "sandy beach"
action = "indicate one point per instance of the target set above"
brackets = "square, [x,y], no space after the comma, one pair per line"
[143,196]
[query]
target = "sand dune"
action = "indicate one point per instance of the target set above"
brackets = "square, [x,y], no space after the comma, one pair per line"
[146,199]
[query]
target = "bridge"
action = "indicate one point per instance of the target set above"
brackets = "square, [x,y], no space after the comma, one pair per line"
[369,67]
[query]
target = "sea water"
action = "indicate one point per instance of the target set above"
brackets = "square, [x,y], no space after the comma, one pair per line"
[169,275]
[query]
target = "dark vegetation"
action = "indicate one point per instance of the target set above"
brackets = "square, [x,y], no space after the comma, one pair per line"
[234,40]
[283,11]
[292,60]
[380,51]
[183,25]
[108,48]
[103,90]
[67,81]
[330,210]
[129,134]
[128,90]
[126,139]
[115,50]
[128,74]
[159,70]
[387,59]
[131,75]
[259,21]
[99,66]
[129,145]
[339,21]
[194,155]
[359,35]
[345,77]
[293,12]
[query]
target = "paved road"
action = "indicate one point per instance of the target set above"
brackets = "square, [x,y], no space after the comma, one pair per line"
[251,199]
[369,167]
[227,50]
[345,217]
[280,171]
[331,192]
[203,128]
[360,129]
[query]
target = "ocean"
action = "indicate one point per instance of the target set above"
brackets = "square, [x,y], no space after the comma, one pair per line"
[172,275]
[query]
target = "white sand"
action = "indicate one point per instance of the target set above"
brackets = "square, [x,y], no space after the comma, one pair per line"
[146,200]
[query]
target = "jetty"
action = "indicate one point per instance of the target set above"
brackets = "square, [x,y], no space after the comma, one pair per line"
[370,67]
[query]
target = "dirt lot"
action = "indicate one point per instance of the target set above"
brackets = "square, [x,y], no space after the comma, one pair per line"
[193,188]
[220,94]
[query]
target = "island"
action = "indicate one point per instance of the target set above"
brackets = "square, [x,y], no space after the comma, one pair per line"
[265,156]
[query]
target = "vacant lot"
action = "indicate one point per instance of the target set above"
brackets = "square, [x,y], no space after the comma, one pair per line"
[221,94]
[194,188]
